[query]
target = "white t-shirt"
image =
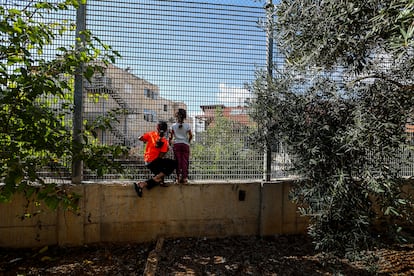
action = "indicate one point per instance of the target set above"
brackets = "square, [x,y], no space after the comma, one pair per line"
[181,133]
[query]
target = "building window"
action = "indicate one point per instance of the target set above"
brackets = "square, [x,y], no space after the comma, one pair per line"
[165,107]
[128,88]
[150,115]
[150,93]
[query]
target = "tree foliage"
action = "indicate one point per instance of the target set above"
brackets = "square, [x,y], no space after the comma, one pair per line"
[340,105]
[223,150]
[347,33]
[36,100]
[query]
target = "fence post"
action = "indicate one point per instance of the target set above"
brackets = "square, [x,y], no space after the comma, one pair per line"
[267,158]
[77,164]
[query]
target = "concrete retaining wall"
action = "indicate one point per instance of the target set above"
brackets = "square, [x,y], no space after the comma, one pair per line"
[113,213]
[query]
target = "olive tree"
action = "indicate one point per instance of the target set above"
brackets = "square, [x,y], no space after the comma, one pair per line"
[36,100]
[340,104]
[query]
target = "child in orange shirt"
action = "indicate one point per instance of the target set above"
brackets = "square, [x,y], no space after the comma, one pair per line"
[156,146]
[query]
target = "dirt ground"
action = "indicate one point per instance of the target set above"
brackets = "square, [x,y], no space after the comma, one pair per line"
[282,255]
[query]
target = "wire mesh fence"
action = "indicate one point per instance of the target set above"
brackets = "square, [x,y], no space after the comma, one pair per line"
[196,55]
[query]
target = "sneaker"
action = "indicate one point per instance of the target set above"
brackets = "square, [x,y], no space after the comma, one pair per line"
[163,184]
[138,189]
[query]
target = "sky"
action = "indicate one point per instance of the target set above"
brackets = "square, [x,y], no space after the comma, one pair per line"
[200,52]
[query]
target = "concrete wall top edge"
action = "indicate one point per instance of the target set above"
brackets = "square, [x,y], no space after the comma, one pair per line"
[199,182]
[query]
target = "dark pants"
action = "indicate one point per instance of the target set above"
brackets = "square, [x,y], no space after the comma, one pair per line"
[164,165]
[182,155]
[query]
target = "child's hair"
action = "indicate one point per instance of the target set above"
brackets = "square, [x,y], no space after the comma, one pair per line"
[162,127]
[181,115]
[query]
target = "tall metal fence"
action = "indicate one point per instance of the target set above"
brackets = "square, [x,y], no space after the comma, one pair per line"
[197,55]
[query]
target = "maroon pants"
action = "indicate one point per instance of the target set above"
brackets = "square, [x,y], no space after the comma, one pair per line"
[182,156]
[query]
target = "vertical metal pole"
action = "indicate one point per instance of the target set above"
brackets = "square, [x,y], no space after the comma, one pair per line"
[77,165]
[267,155]
[267,159]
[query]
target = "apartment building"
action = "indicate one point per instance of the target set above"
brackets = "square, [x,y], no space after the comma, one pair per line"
[236,114]
[133,101]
